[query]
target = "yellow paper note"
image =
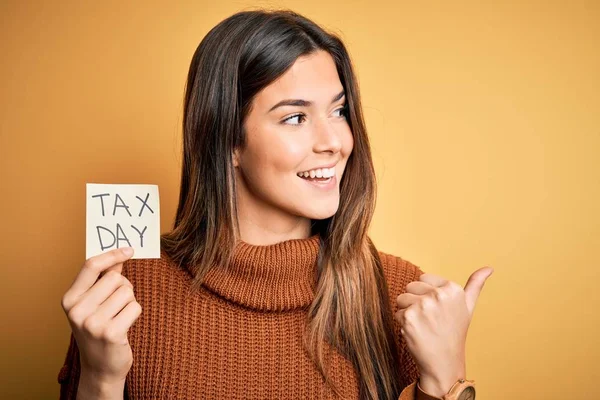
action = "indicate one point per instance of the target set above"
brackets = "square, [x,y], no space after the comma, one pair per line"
[122,215]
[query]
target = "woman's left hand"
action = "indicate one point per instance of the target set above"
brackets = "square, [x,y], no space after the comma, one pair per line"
[434,315]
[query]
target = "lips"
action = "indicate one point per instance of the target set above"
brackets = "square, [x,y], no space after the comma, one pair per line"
[331,165]
[322,184]
[315,178]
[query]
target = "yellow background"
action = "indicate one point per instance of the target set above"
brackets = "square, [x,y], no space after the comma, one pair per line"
[485,126]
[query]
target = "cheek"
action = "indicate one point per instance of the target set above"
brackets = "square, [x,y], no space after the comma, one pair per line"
[273,154]
[285,154]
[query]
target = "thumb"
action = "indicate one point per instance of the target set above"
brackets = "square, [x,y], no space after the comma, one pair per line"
[117,267]
[474,285]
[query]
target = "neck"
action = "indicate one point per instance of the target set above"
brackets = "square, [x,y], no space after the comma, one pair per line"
[260,235]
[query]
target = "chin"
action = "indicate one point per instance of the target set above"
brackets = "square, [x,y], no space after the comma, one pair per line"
[325,213]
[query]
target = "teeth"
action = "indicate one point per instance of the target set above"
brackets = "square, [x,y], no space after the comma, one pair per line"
[319,173]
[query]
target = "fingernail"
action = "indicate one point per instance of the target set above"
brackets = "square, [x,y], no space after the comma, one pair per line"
[127,251]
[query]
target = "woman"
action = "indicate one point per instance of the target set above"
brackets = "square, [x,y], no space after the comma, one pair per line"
[268,286]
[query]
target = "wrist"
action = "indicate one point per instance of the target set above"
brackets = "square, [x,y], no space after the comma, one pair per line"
[438,386]
[93,386]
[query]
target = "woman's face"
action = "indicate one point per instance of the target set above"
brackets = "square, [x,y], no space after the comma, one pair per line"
[284,139]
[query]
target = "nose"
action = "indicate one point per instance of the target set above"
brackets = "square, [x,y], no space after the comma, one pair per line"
[327,137]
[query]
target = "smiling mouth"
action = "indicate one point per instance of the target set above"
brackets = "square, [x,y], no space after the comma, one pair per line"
[318,175]
[315,179]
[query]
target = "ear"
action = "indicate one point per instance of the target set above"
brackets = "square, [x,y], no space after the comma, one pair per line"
[235,157]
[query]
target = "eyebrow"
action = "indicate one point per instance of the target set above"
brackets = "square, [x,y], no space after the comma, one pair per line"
[303,103]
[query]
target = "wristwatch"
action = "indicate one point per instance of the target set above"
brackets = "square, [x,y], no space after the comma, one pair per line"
[463,389]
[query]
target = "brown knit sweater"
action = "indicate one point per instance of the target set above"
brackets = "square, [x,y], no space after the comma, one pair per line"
[241,335]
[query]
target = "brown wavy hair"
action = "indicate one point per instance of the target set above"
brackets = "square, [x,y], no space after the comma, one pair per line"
[236,59]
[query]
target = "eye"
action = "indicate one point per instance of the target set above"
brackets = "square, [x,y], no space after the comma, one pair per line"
[292,117]
[343,110]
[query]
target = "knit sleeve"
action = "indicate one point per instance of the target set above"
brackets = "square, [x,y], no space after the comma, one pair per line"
[414,392]
[68,377]
[399,273]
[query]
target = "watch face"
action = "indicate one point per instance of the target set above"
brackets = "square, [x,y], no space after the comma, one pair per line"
[467,394]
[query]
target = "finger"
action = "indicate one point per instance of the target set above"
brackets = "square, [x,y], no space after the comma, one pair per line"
[405,300]
[399,316]
[474,286]
[118,267]
[91,269]
[98,322]
[433,280]
[125,319]
[418,287]
[115,303]
[102,289]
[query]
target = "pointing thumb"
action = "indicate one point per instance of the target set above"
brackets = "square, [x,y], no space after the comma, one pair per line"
[474,285]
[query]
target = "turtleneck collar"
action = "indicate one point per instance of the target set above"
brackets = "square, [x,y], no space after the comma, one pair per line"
[275,277]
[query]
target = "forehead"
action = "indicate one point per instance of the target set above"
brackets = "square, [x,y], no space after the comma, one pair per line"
[313,77]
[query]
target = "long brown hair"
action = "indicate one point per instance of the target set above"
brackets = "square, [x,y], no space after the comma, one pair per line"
[235,60]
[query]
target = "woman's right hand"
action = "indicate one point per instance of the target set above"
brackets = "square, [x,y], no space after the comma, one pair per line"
[100,312]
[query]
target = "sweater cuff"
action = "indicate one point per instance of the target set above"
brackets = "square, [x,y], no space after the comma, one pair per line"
[414,392]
